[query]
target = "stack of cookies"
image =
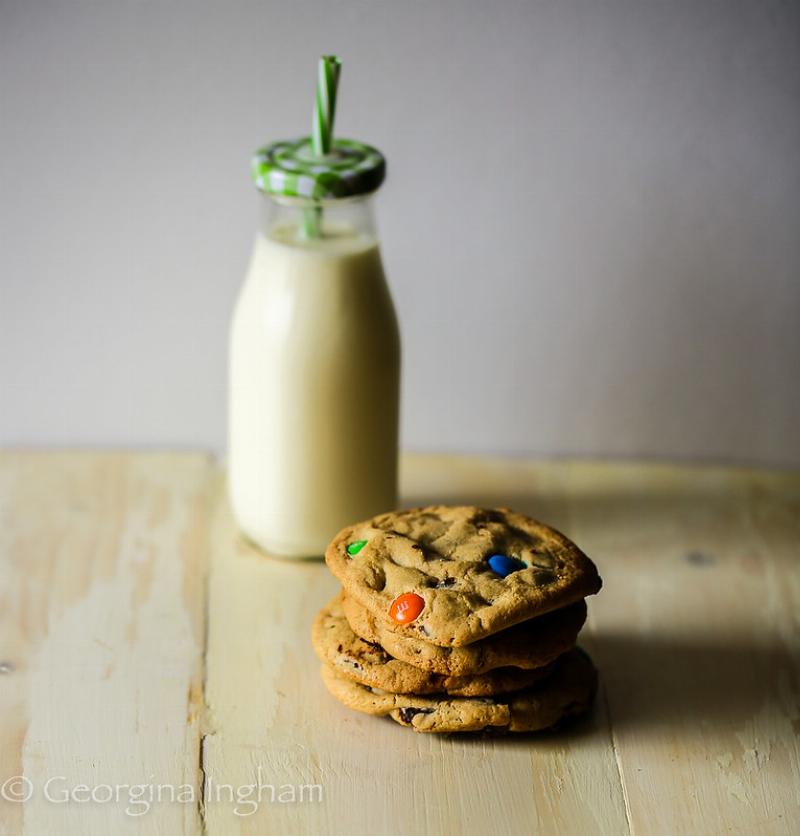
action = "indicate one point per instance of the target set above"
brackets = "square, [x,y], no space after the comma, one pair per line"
[456,619]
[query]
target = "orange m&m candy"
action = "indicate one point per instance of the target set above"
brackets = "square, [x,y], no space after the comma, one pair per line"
[406,607]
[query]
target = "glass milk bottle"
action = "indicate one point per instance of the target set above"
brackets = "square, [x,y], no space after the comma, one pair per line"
[314,354]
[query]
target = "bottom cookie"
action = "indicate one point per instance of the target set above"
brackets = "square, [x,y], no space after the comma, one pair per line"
[567,692]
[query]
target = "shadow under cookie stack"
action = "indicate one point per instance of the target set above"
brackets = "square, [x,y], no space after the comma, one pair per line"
[458,619]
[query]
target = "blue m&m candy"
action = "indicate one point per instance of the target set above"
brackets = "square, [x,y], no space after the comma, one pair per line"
[502,565]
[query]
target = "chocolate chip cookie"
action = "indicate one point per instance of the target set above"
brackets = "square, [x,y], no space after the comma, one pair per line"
[369,664]
[567,692]
[453,575]
[529,645]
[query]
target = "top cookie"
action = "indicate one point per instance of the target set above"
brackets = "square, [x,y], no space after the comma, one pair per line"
[451,575]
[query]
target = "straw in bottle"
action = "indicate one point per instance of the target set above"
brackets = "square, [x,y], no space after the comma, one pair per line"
[322,129]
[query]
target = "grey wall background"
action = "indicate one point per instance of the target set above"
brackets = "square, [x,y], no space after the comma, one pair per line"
[590,227]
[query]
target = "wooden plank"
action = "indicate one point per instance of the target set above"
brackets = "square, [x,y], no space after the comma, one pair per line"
[270,719]
[697,637]
[696,631]
[101,629]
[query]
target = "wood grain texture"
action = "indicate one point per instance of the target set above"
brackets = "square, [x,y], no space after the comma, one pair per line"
[695,631]
[104,616]
[101,621]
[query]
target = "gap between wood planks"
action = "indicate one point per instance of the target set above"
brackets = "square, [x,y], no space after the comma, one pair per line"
[613,735]
[215,497]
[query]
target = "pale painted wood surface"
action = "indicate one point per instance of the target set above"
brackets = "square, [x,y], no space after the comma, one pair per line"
[144,642]
[102,620]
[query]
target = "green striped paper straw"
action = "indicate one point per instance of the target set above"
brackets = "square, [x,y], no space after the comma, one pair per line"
[325,106]
[322,128]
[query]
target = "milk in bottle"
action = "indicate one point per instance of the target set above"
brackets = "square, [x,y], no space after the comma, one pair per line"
[314,358]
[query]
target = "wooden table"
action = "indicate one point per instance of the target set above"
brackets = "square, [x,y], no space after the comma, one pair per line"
[143,643]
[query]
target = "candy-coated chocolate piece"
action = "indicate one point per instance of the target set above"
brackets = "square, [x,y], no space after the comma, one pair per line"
[355,548]
[406,607]
[503,565]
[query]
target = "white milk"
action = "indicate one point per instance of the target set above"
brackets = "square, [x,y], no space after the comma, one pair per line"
[314,382]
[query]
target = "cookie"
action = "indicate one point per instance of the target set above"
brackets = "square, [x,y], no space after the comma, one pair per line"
[567,692]
[369,664]
[454,575]
[529,645]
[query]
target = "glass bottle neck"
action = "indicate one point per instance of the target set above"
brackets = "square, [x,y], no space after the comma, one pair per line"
[299,221]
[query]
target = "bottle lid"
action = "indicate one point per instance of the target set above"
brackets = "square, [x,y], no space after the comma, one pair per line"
[291,168]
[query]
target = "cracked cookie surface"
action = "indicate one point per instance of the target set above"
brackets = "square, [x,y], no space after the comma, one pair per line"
[369,664]
[569,691]
[532,644]
[451,575]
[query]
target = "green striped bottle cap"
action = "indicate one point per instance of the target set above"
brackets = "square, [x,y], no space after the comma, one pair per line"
[292,169]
